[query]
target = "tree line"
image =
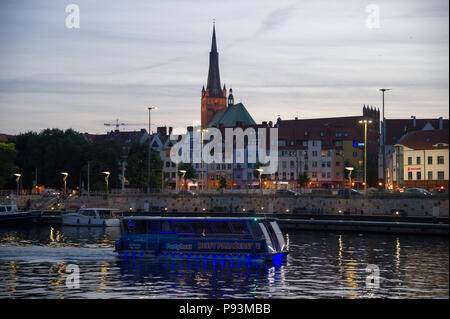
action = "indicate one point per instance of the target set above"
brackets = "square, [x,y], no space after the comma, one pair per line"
[44,156]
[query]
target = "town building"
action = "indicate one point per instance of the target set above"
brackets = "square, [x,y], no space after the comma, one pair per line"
[398,128]
[420,159]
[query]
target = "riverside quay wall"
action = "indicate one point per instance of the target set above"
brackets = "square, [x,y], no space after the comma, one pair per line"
[438,207]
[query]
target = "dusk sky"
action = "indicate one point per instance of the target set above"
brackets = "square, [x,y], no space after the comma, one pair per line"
[290,58]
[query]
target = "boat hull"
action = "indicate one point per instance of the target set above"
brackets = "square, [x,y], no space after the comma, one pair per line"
[18,217]
[79,220]
[172,246]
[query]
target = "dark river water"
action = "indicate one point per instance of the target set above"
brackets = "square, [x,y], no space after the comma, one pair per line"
[35,263]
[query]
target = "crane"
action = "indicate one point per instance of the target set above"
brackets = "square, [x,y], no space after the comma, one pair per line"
[117,124]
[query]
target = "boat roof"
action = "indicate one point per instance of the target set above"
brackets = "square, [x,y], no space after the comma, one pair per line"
[100,208]
[190,218]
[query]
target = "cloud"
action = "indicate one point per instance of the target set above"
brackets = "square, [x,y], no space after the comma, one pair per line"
[275,18]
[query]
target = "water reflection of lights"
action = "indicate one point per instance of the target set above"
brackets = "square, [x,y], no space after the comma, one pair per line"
[57,283]
[397,254]
[104,270]
[11,282]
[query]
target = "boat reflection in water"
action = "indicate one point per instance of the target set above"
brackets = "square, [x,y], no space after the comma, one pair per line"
[212,279]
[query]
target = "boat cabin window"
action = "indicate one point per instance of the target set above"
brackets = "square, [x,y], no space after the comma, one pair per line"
[2,209]
[239,227]
[153,226]
[134,226]
[256,230]
[89,213]
[180,226]
[201,227]
[220,227]
[105,213]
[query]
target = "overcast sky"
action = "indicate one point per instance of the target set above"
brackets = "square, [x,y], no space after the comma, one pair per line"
[290,58]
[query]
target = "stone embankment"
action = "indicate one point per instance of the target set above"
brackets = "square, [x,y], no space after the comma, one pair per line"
[438,207]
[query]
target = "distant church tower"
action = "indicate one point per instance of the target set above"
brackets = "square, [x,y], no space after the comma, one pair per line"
[214,98]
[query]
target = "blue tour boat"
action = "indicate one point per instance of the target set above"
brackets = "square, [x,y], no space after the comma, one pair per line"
[226,238]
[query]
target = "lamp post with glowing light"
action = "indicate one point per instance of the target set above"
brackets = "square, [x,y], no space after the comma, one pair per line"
[18,181]
[106,180]
[260,170]
[65,174]
[350,169]
[202,131]
[383,147]
[365,122]
[183,172]
[149,143]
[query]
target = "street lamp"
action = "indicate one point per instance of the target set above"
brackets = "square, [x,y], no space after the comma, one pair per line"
[383,147]
[365,122]
[17,181]
[65,174]
[106,180]
[202,131]
[183,172]
[260,170]
[350,169]
[149,143]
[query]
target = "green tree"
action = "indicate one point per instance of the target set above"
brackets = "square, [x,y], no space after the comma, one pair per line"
[8,155]
[303,180]
[137,167]
[191,173]
[102,157]
[51,152]
[222,182]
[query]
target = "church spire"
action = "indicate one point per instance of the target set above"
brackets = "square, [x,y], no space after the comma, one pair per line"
[213,84]
[213,43]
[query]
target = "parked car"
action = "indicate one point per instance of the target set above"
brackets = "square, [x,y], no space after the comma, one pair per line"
[286,192]
[187,192]
[348,191]
[50,193]
[418,191]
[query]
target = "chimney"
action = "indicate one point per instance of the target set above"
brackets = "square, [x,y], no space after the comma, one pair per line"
[296,118]
[441,123]
[264,123]
[170,129]
[414,121]
[162,130]
[270,123]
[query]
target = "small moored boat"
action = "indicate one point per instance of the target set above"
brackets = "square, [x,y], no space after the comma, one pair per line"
[101,217]
[10,213]
[248,238]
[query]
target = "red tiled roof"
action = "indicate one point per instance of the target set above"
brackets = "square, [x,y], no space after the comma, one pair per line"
[422,140]
[325,129]
[396,128]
